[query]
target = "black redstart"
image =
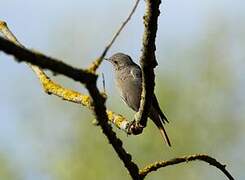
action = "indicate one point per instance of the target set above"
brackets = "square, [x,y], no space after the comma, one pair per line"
[128,80]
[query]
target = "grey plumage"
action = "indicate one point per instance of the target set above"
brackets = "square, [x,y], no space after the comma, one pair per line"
[128,80]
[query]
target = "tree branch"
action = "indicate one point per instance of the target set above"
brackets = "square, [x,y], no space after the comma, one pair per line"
[97,101]
[51,87]
[94,66]
[148,60]
[96,104]
[100,113]
[24,55]
[201,157]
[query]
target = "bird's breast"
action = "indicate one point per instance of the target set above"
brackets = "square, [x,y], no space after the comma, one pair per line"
[130,89]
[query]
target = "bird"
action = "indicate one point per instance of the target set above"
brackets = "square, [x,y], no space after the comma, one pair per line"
[128,76]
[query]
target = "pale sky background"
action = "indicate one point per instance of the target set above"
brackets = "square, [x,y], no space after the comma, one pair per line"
[76,32]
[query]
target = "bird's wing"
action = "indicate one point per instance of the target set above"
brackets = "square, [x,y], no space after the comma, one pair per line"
[131,100]
[136,73]
[130,86]
[137,77]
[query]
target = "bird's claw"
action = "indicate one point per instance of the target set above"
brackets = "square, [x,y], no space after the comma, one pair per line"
[135,128]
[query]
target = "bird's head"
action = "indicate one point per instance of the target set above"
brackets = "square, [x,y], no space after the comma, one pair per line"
[120,60]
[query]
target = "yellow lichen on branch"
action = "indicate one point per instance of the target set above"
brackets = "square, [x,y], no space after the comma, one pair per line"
[54,88]
[51,87]
[97,104]
[201,157]
[94,65]
[7,33]
[118,120]
[96,98]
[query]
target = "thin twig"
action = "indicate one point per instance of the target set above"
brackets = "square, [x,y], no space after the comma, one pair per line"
[89,79]
[98,61]
[202,157]
[103,83]
[51,87]
[25,55]
[7,33]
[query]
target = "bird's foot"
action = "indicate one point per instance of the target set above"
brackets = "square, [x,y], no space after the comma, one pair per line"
[135,128]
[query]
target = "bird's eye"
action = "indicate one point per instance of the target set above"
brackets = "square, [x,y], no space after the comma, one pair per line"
[115,62]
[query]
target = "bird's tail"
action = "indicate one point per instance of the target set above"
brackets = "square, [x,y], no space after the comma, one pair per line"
[164,135]
[158,121]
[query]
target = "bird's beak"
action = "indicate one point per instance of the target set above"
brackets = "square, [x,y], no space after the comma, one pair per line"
[108,60]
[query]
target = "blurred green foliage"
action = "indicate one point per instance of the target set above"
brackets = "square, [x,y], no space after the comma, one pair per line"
[6,172]
[197,95]
[198,84]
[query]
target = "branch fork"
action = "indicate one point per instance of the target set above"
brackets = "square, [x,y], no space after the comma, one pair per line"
[95,101]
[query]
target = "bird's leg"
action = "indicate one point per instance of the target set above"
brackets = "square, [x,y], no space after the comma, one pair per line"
[136,116]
